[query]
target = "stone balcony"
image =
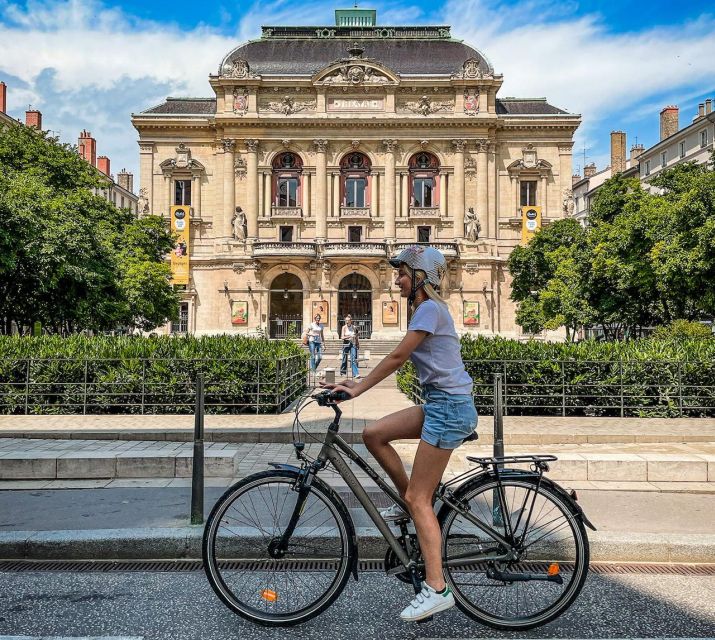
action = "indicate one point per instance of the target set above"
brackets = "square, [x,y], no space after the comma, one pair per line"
[290,213]
[448,249]
[423,213]
[284,249]
[339,249]
[354,213]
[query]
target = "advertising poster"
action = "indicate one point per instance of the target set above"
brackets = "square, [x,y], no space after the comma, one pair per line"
[470,316]
[531,223]
[180,254]
[321,308]
[390,312]
[239,312]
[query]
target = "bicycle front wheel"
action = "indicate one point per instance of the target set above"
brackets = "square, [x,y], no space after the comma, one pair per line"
[554,553]
[239,549]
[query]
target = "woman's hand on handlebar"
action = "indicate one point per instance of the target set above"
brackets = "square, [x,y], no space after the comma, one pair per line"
[346,386]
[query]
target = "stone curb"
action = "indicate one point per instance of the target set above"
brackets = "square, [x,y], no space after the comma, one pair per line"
[185,542]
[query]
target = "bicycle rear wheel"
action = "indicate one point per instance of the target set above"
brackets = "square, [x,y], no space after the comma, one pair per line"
[515,594]
[239,549]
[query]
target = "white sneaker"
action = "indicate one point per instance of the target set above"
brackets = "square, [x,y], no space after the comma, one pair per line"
[395,512]
[426,603]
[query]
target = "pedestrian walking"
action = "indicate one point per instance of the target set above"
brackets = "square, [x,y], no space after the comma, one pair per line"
[442,423]
[351,344]
[316,339]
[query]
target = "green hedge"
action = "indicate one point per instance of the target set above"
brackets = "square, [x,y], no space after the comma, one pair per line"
[645,378]
[80,374]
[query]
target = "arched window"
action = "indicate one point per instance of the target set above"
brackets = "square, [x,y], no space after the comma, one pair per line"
[355,176]
[287,169]
[424,169]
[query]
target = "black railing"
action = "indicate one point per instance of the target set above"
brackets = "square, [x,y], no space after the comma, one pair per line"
[286,327]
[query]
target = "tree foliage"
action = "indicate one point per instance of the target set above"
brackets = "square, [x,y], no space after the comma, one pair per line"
[646,258]
[68,258]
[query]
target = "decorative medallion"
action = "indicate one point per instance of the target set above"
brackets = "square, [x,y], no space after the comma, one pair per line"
[471,102]
[426,106]
[240,101]
[237,68]
[355,74]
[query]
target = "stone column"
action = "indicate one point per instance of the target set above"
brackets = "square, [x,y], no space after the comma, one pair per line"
[336,195]
[321,189]
[306,195]
[442,195]
[267,193]
[565,171]
[515,211]
[404,196]
[458,188]
[252,188]
[229,188]
[261,199]
[482,184]
[146,169]
[169,184]
[543,196]
[491,217]
[389,189]
[374,195]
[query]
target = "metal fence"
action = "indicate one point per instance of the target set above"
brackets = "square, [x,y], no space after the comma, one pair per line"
[593,388]
[45,386]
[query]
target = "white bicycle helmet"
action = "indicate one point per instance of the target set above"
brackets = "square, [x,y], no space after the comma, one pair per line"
[427,259]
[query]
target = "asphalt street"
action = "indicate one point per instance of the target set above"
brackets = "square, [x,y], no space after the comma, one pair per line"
[163,606]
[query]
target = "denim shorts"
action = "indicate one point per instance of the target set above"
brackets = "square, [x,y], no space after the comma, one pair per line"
[449,418]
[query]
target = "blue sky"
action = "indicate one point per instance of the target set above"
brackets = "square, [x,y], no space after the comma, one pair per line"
[91,63]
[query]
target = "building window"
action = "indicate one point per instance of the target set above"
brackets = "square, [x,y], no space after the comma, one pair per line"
[682,149]
[354,234]
[287,192]
[423,234]
[122,200]
[182,192]
[354,178]
[286,234]
[528,193]
[424,169]
[287,171]
[703,138]
[663,158]
[182,324]
[647,167]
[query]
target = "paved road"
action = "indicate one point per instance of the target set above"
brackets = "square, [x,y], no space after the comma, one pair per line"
[158,606]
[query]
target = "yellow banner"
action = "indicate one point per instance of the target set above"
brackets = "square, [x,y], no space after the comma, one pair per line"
[531,223]
[180,254]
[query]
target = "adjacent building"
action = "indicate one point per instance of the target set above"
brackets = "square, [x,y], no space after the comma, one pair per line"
[325,150]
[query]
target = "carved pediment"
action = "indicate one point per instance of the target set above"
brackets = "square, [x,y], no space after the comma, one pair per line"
[237,68]
[181,161]
[356,72]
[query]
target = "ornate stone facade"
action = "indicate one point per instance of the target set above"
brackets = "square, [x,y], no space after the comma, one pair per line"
[337,157]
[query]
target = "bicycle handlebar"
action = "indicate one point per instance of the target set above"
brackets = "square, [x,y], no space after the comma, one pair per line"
[329,397]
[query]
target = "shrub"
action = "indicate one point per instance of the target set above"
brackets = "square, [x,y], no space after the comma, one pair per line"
[680,330]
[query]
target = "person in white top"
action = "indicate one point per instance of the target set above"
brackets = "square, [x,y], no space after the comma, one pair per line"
[351,344]
[315,342]
[442,423]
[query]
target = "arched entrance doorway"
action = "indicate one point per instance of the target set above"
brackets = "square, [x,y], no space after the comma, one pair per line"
[285,316]
[355,298]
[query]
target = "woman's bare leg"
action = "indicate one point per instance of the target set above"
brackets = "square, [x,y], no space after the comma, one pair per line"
[401,425]
[427,470]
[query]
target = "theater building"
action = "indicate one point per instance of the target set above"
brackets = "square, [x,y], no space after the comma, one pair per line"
[325,150]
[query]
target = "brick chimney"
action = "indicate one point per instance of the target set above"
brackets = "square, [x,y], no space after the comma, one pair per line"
[708,106]
[575,178]
[103,164]
[126,180]
[3,97]
[88,147]
[589,170]
[669,122]
[33,118]
[636,151]
[618,152]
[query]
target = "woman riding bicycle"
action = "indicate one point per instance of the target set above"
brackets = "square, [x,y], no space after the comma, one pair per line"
[445,419]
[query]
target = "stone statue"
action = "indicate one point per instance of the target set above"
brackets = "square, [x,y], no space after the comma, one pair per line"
[568,202]
[239,224]
[472,226]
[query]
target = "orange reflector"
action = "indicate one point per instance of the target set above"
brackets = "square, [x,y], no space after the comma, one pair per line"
[269,595]
[553,569]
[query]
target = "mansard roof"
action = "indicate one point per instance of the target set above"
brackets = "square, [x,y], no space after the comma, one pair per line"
[207,107]
[421,50]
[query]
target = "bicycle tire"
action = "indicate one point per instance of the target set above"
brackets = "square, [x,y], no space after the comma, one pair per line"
[258,567]
[479,494]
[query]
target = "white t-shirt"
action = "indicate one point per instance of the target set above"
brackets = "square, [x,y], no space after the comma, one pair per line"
[315,331]
[438,358]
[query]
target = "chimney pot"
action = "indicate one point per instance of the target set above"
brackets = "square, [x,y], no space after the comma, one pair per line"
[636,151]
[575,178]
[618,152]
[669,121]
[103,164]
[589,170]
[87,147]
[3,97]
[33,118]
[701,110]
[708,106]
[126,180]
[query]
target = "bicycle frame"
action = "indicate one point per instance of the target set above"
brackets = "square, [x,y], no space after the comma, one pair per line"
[330,452]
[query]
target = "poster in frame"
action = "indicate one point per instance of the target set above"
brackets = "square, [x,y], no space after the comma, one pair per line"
[239,312]
[470,314]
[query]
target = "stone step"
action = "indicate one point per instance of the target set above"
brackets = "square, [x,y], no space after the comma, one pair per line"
[82,459]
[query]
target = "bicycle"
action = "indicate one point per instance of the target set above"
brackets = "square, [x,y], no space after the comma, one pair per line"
[280,545]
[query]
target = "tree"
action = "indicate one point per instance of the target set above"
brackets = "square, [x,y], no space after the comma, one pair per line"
[68,258]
